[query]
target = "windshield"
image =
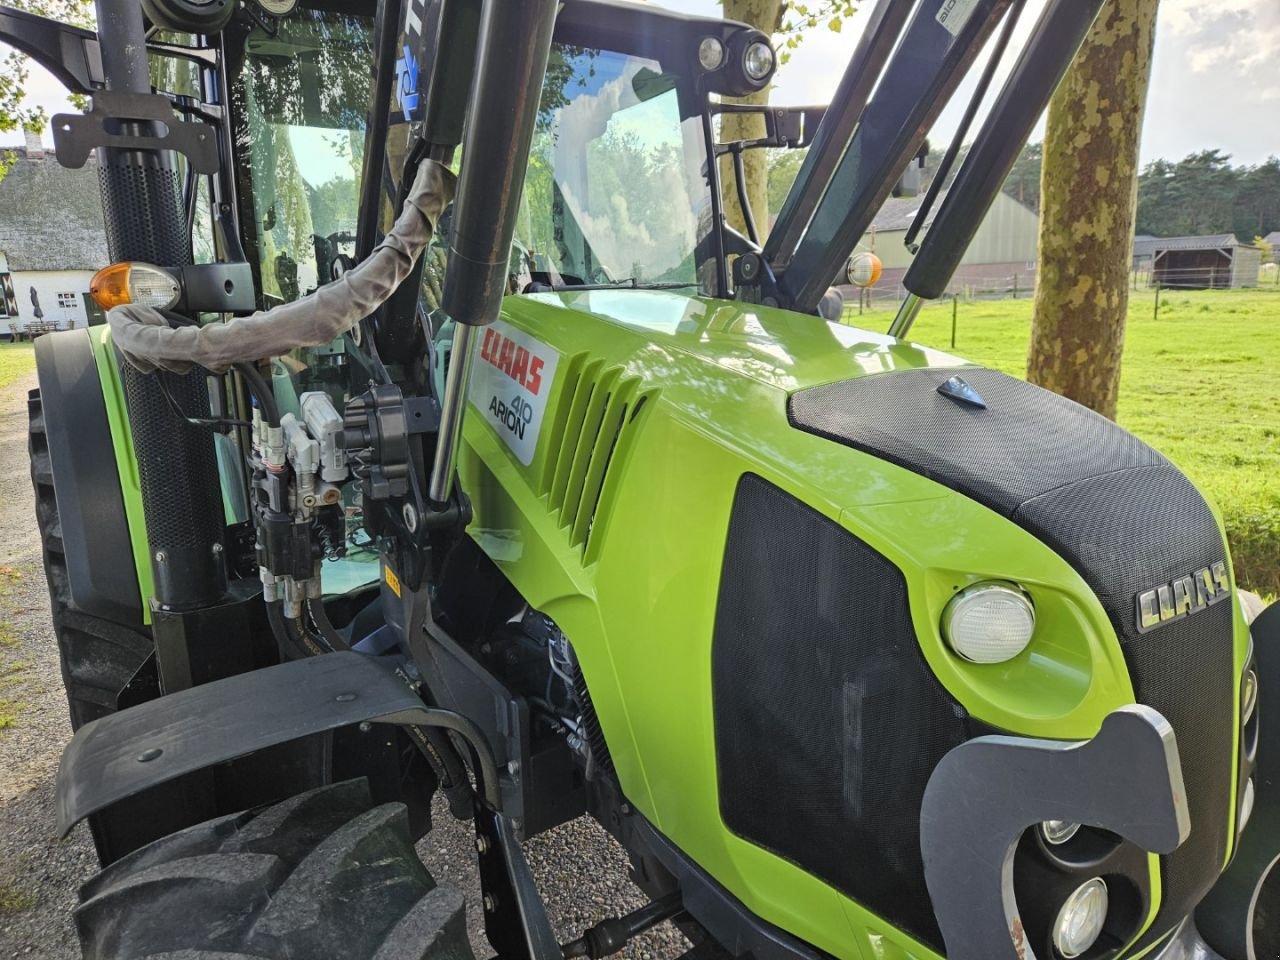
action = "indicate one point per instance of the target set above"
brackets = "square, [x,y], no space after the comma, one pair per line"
[301,100]
[615,191]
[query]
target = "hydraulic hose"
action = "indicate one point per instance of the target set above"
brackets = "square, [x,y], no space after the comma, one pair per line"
[148,341]
[324,626]
[290,634]
[261,391]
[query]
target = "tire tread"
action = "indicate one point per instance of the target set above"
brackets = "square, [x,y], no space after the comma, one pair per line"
[324,874]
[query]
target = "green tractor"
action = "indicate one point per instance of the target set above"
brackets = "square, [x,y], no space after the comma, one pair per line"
[544,488]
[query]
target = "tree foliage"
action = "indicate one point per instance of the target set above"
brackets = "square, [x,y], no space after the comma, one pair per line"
[15,69]
[1204,194]
[797,18]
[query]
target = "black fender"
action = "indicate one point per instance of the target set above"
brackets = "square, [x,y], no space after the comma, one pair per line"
[102,578]
[125,754]
[1240,917]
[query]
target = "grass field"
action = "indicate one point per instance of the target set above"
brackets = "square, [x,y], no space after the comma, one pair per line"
[16,360]
[1201,384]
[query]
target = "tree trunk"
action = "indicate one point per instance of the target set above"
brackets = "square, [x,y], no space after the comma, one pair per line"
[1088,193]
[764,15]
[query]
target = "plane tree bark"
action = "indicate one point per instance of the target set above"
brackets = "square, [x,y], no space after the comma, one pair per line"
[1088,193]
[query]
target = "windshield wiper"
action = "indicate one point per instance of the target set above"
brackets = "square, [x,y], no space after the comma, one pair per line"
[629,284]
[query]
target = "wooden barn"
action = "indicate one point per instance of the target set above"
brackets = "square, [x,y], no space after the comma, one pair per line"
[1205,263]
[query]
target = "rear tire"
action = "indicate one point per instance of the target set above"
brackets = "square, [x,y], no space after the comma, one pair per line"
[325,874]
[98,657]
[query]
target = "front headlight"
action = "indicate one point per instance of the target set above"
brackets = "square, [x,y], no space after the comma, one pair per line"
[1081,919]
[1249,696]
[1058,832]
[757,60]
[989,622]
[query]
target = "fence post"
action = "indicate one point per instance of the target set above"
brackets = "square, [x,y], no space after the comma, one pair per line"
[1015,286]
[954,301]
[1157,313]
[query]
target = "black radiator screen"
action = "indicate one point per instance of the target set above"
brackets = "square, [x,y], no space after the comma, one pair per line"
[828,721]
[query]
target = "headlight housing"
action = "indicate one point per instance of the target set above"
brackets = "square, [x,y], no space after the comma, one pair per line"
[989,622]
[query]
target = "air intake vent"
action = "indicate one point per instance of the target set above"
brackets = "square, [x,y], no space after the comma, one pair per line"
[591,431]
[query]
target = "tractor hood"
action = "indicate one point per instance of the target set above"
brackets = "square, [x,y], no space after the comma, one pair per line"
[777,348]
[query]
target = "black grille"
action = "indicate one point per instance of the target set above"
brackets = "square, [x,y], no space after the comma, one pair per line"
[143,214]
[1124,518]
[1126,532]
[828,721]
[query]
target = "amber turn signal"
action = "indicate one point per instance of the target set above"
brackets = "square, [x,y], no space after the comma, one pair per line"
[139,283]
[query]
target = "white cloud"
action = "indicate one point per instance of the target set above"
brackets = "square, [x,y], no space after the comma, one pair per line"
[1238,36]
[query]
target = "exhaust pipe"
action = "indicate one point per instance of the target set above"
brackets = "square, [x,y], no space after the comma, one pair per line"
[511,59]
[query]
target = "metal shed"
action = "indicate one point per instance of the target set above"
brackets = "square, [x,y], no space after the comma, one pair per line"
[1220,261]
[1273,238]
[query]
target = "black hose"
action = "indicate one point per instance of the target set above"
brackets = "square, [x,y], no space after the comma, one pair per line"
[744,202]
[290,635]
[262,392]
[487,773]
[324,626]
[257,384]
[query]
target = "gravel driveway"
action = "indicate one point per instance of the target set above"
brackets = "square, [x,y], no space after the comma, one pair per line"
[580,870]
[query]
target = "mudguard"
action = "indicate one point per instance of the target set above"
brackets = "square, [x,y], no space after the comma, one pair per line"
[86,480]
[121,755]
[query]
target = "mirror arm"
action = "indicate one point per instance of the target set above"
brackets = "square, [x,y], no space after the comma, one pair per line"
[70,53]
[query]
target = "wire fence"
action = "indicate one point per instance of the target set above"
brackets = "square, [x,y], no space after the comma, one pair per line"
[1021,285]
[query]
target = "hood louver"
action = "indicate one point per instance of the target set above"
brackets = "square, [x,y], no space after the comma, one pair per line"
[592,429]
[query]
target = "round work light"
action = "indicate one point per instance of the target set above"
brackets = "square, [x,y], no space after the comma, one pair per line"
[989,622]
[711,53]
[1058,832]
[1246,804]
[1249,696]
[757,60]
[1081,918]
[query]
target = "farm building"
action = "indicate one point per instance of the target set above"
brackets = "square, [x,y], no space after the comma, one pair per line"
[1144,251]
[1214,262]
[1001,257]
[1272,239]
[51,243]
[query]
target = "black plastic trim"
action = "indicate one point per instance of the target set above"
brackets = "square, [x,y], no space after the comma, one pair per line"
[86,481]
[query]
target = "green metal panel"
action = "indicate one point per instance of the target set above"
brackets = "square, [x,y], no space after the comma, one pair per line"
[639,603]
[122,441]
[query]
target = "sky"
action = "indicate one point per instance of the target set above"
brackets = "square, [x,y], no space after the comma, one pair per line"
[1215,80]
